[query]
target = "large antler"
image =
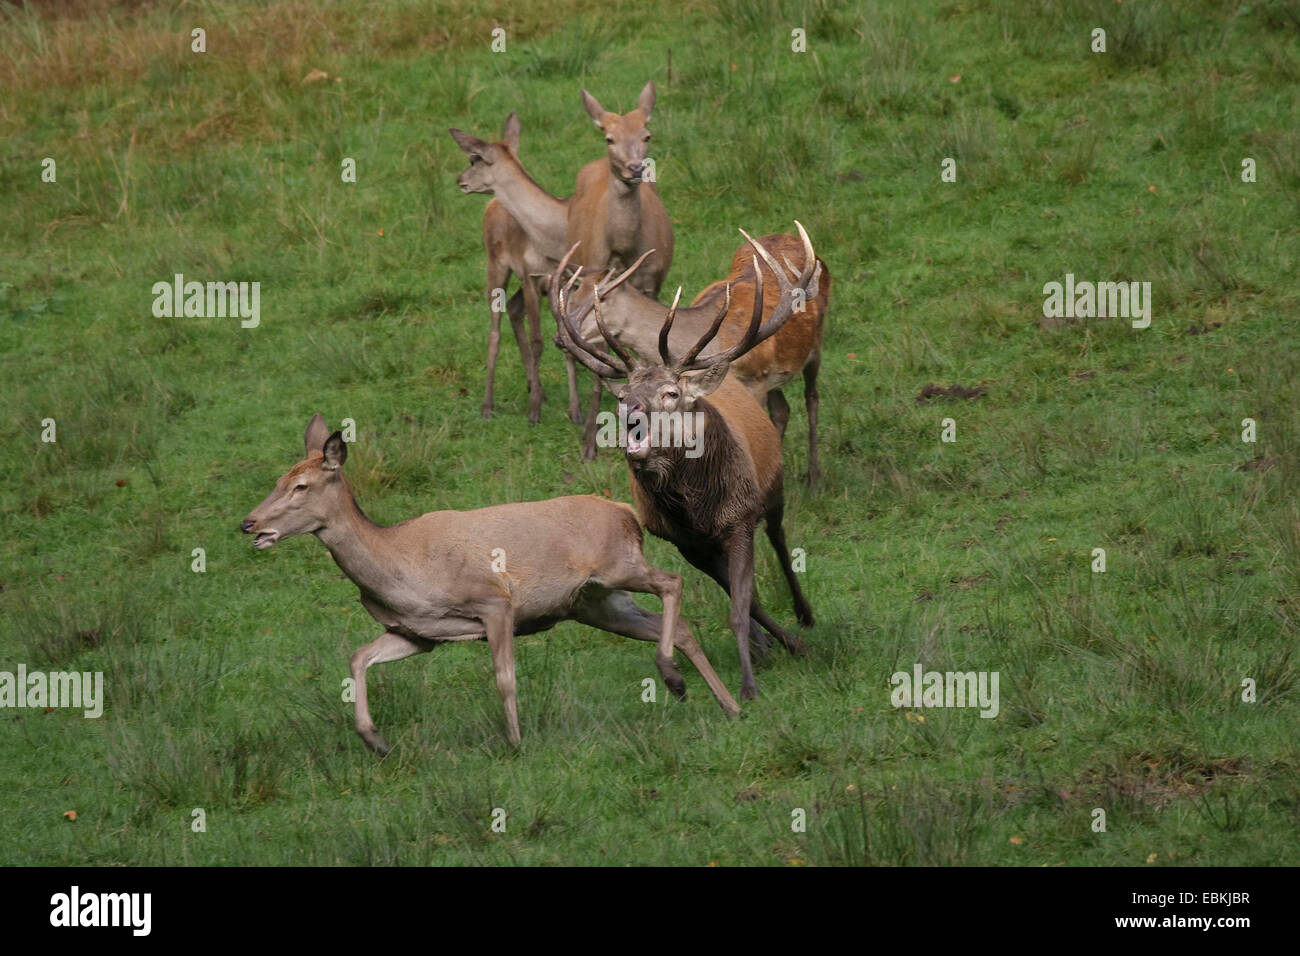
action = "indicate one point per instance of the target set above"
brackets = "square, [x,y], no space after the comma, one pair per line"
[570,321]
[806,281]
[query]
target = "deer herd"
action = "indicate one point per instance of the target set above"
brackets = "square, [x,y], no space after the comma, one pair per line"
[599,258]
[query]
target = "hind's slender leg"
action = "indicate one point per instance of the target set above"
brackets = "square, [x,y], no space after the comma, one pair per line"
[389,647]
[617,613]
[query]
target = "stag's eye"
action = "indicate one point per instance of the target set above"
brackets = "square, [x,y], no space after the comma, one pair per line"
[670,395]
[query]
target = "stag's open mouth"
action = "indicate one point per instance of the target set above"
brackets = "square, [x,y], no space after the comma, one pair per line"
[638,447]
[265,539]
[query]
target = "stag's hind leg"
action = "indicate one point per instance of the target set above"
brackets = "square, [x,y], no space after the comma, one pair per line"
[811,399]
[389,647]
[776,535]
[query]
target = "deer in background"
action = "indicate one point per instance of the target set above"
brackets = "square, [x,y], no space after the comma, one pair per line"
[542,218]
[492,574]
[635,319]
[707,505]
[616,217]
[614,214]
[509,251]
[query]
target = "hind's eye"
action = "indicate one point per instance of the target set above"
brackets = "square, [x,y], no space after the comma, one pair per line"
[302,487]
[609,140]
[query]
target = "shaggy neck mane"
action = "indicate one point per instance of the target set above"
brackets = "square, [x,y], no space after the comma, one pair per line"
[692,492]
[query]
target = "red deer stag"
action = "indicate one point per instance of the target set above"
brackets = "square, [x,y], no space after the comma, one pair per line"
[708,504]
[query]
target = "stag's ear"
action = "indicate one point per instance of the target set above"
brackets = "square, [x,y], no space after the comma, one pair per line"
[511,133]
[472,144]
[646,101]
[706,382]
[317,432]
[335,452]
[594,109]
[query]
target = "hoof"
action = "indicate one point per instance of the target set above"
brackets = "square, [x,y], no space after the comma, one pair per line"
[488,411]
[375,742]
[749,693]
[804,616]
[797,648]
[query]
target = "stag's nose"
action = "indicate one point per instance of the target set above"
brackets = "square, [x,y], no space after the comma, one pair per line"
[247,525]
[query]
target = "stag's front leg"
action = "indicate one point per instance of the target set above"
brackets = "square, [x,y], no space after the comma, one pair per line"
[499,623]
[740,561]
[389,647]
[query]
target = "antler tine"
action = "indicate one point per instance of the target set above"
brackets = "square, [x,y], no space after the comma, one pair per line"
[609,339]
[570,338]
[771,264]
[689,361]
[811,267]
[611,283]
[807,282]
[749,339]
[668,324]
[572,342]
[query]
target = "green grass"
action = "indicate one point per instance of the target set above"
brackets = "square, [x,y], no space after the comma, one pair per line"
[1119,691]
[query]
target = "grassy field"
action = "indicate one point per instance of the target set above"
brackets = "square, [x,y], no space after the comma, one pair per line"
[1120,690]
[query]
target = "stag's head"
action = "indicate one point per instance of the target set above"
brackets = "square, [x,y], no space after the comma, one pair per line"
[307,495]
[486,159]
[674,383]
[626,138]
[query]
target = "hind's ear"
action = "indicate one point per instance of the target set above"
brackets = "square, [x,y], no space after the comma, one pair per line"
[472,144]
[511,133]
[317,432]
[646,101]
[335,452]
[594,109]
